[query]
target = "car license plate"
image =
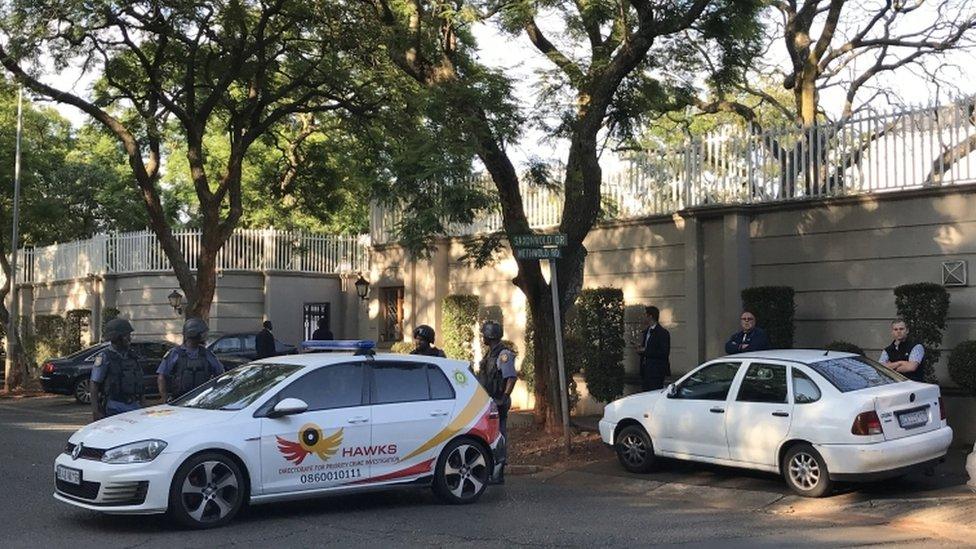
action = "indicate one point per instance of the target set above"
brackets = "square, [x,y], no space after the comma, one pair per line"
[69,475]
[915,418]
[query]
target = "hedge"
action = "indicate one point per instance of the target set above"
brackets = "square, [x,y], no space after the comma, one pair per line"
[570,348]
[402,347]
[844,347]
[597,326]
[774,309]
[962,365]
[925,307]
[460,318]
[108,313]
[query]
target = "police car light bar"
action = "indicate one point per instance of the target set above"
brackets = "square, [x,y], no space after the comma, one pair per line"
[358,345]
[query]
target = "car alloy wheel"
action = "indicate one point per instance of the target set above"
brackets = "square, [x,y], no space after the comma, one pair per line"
[634,449]
[462,472]
[806,471]
[82,391]
[207,491]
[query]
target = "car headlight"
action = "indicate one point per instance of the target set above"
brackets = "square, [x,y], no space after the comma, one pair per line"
[137,452]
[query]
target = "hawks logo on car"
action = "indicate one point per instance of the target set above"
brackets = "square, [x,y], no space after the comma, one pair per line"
[310,441]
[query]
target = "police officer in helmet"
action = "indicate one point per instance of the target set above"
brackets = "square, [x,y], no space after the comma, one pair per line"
[424,336]
[116,378]
[188,366]
[496,374]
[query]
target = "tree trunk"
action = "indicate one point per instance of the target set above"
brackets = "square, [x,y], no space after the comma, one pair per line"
[16,368]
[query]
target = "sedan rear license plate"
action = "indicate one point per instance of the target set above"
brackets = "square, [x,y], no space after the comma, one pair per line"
[69,475]
[914,418]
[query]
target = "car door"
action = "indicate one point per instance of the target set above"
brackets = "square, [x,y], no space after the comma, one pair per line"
[316,449]
[692,416]
[411,405]
[249,346]
[150,355]
[758,420]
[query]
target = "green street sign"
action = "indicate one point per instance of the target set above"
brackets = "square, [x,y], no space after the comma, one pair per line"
[538,253]
[538,240]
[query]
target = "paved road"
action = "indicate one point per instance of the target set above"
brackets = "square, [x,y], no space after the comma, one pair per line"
[596,504]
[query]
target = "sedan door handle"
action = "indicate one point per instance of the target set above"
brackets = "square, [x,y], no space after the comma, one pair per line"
[781,414]
[717,410]
[359,419]
[438,414]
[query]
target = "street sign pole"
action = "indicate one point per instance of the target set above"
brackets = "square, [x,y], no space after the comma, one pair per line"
[557,318]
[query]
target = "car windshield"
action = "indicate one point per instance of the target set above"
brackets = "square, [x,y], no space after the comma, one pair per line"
[237,388]
[855,372]
[86,351]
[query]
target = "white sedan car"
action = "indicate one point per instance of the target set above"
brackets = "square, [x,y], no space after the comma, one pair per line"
[812,416]
[290,427]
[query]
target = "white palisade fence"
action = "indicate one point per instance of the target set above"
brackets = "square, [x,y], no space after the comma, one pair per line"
[246,250]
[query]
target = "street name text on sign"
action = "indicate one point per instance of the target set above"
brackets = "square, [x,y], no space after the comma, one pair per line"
[538,253]
[539,240]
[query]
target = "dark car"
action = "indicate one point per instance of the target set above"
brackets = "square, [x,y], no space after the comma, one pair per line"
[69,375]
[235,349]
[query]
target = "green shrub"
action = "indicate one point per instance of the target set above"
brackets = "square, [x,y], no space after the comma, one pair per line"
[962,365]
[527,370]
[76,320]
[460,317]
[774,309]
[844,347]
[51,337]
[597,327]
[402,347]
[108,313]
[925,307]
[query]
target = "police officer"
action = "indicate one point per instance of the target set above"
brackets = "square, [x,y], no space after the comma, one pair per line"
[188,366]
[424,336]
[496,374]
[116,378]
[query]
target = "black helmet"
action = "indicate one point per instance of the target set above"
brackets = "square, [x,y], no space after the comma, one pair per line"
[425,333]
[117,327]
[195,328]
[492,330]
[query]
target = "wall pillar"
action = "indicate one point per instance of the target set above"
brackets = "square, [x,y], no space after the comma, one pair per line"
[694,313]
[442,284]
[736,263]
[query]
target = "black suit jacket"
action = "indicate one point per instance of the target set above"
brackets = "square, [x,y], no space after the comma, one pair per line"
[656,358]
[265,344]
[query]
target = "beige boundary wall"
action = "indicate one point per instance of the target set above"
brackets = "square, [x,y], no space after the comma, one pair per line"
[242,301]
[843,257]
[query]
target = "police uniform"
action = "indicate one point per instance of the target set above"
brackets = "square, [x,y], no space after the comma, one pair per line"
[186,369]
[120,375]
[430,350]
[496,368]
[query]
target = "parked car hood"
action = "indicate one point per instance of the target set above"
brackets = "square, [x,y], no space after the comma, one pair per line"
[158,422]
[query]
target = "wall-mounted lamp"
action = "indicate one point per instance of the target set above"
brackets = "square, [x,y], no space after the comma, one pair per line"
[362,287]
[176,301]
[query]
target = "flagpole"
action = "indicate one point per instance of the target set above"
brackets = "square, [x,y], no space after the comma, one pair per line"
[14,243]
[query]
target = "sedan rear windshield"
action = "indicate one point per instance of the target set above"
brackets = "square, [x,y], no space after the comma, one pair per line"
[237,388]
[855,372]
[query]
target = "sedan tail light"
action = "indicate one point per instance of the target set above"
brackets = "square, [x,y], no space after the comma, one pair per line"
[492,410]
[866,423]
[942,410]
[48,368]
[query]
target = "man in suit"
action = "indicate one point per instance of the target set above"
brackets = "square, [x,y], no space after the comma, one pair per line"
[655,363]
[750,338]
[265,342]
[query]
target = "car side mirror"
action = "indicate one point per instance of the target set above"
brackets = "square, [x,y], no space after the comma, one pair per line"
[671,391]
[288,407]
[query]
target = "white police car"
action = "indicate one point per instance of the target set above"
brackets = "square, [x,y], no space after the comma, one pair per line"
[291,427]
[812,416]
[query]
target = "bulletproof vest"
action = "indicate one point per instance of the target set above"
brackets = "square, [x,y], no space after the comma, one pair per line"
[490,375]
[123,379]
[428,351]
[902,352]
[189,373]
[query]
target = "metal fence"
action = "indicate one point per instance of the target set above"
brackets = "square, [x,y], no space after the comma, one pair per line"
[246,249]
[872,153]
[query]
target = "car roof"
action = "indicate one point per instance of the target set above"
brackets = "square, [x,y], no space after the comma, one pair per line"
[805,356]
[324,359]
